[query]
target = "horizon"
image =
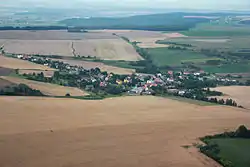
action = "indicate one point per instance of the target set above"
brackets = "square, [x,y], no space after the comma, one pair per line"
[113,5]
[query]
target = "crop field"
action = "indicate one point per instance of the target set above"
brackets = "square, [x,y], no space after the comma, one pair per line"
[224,43]
[238,93]
[234,150]
[47,88]
[4,83]
[107,49]
[102,45]
[126,131]
[102,66]
[146,39]
[165,56]
[40,47]
[228,68]
[211,30]
[13,63]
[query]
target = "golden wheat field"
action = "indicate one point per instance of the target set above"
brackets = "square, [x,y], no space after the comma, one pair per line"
[47,88]
[13,63]
[125,132]
[238,93]
[103,45]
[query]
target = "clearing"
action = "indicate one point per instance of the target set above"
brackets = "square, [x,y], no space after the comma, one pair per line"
[238,93]
[126,131]
[47,88]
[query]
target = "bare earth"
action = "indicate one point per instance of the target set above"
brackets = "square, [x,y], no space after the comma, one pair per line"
[241,94]
[124,132]
[13,63]
[102,66]
[47,88]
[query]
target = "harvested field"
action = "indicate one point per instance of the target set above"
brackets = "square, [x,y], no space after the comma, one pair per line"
[46,73]
[103,45]
[47,88]
[107,49]
[13,63]
[4,83]
[241,94]
[40,47]
[147,39]
[53,35]
[127,131]
[102,66]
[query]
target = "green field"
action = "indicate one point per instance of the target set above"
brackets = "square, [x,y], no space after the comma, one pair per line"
[216,30]
[228,68]
[166,57]
[235,150]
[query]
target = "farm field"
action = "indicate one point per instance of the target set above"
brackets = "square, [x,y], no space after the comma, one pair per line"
[238,93]
[47,88]
[102,66]
[4,83]
[102,45]
[13,63]
[165,56]
[213,30]
[39,47]
[53,35]
[234,150]
[107,49]
[217,42]
[227,68]
[126,131]
[146,39]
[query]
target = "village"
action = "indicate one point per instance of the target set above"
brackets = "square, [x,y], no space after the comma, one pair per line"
[195,85]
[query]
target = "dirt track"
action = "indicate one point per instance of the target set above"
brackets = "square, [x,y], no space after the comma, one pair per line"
[124,132]
[47,88]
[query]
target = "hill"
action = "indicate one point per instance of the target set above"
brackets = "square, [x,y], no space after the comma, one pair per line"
[155,22]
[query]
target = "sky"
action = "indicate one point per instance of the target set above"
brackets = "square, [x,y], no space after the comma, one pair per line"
[168,4]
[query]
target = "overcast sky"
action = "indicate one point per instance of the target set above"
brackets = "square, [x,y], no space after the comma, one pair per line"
[177,4]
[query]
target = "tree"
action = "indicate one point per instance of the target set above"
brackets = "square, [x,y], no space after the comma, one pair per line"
[221,101]
[229,102]
[248,83]
[242,132]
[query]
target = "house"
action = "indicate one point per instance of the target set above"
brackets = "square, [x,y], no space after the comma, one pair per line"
[89,87]
[136,90]
[181,93]
[19,56]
